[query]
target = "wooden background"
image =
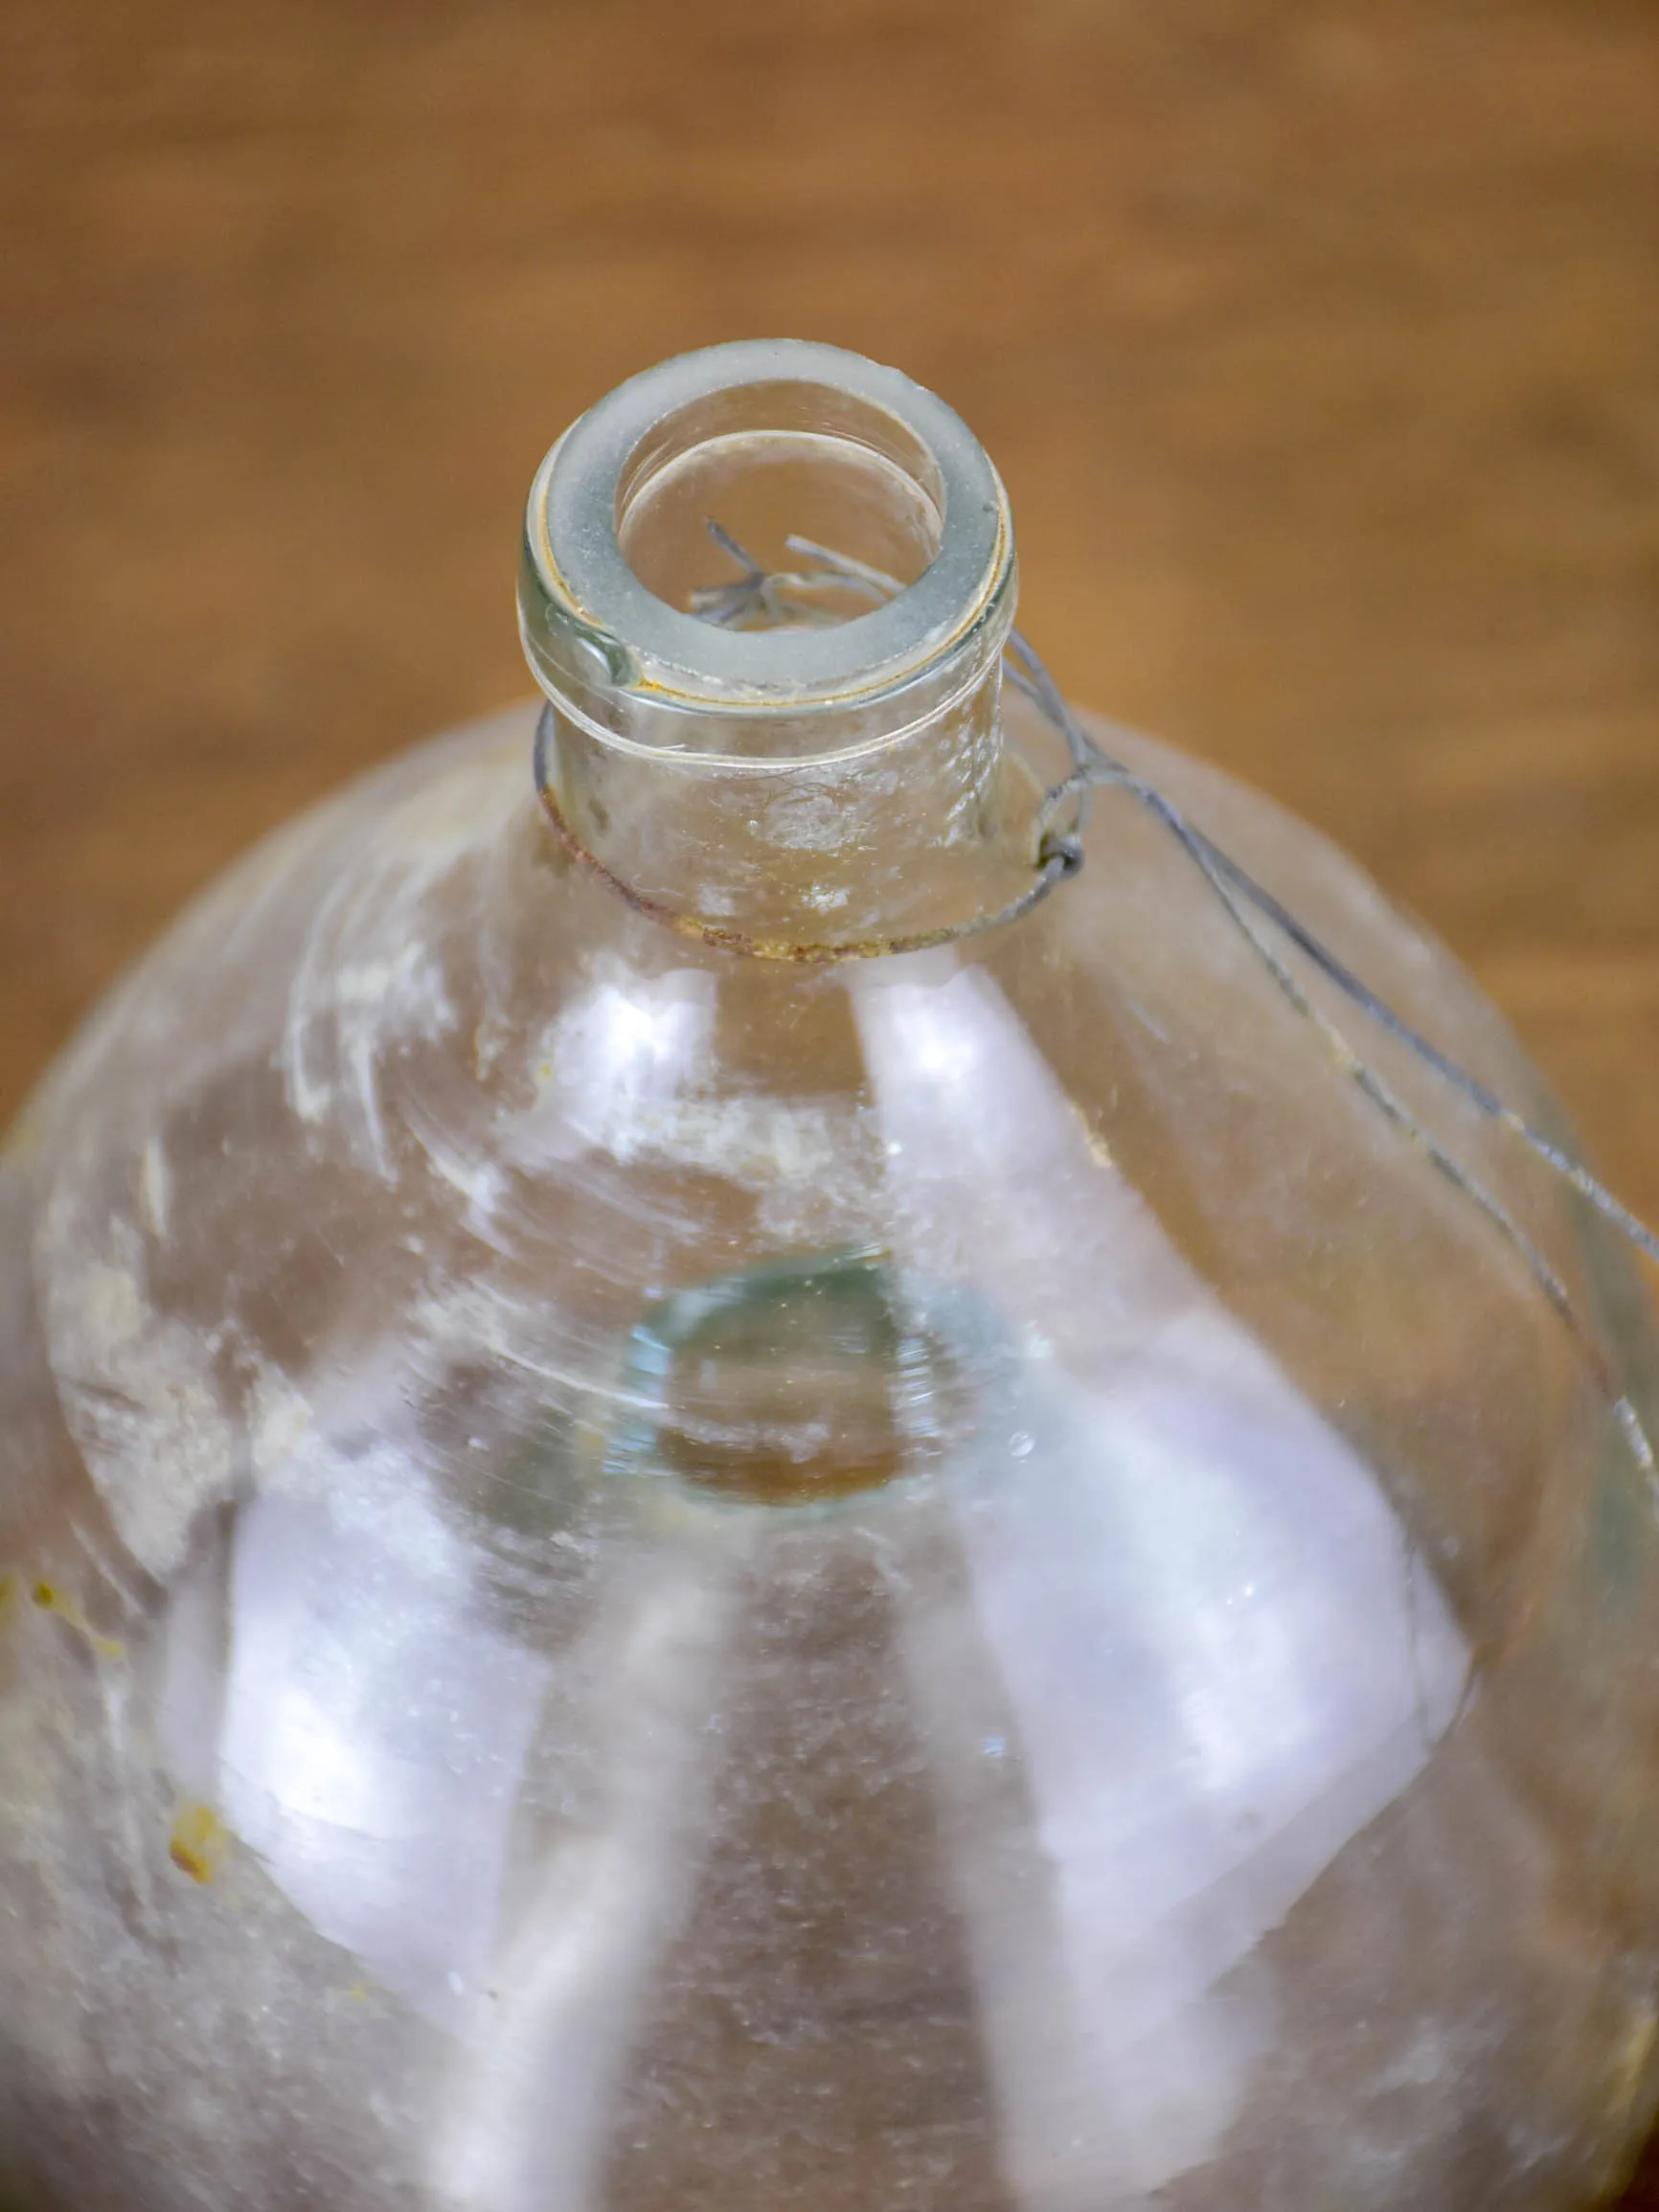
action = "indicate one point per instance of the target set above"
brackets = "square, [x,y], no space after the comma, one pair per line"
[1319,345]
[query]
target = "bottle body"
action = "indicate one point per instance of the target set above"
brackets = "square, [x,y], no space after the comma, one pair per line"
[638,1577]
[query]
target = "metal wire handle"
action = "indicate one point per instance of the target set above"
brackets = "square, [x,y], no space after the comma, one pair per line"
[759,596]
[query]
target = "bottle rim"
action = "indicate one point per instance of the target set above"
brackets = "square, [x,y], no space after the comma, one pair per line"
[604,647]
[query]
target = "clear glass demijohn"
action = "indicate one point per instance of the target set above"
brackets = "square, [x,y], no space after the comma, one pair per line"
[721,1490]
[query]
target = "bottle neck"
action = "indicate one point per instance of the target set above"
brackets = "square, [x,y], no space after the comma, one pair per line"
[764,743]
[897,834]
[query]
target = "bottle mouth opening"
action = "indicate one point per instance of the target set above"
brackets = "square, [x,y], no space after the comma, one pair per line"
[772,463]
[626,590]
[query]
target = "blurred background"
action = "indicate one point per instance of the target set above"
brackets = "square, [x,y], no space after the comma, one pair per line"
[1318,344]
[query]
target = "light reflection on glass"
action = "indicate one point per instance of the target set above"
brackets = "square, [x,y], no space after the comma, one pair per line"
[369,1737]
[530,2112]
[613,1066]
[1193,1614]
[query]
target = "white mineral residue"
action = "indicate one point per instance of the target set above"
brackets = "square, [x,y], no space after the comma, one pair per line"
[137,1386]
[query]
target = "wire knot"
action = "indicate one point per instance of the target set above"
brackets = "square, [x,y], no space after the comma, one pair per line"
[1063,846]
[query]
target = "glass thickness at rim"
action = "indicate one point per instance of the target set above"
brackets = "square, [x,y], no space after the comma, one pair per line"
[590,595]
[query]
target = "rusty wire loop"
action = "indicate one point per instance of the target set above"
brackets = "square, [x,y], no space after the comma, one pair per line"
[759,596]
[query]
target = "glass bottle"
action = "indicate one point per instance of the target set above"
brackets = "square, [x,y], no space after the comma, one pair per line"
[680,1534]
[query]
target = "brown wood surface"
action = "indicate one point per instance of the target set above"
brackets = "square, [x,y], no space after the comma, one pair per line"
[1319,347]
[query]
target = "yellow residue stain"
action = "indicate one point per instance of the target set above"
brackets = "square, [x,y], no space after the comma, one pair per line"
[196,1846]
[50,1598]
[1098,1148]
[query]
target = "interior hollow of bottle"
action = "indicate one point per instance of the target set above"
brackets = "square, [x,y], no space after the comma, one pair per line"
[767,462]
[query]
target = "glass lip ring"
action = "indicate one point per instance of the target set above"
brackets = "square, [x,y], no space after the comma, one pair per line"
[585,615]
